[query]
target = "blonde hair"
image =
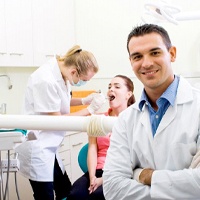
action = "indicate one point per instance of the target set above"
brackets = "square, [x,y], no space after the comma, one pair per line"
[84,61]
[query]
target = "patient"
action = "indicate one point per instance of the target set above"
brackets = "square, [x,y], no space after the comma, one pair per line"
[89,186]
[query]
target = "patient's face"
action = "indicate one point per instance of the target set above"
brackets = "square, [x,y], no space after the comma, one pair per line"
[118,93]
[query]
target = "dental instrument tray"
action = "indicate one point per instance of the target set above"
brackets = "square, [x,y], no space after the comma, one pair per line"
[9,138]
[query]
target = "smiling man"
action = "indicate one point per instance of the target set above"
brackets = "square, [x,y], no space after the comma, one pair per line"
[152,148]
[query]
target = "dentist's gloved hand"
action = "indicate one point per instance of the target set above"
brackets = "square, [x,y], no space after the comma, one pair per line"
[87,100]
[196,160]
[96,103]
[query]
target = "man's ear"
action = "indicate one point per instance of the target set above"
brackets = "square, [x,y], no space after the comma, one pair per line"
[172,52]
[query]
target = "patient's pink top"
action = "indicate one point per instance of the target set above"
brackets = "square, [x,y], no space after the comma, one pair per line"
[102,146]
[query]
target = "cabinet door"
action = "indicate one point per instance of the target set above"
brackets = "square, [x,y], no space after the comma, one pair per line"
[65,155]
[64,26]
[53,28]
[3,50]
[33,31]
[24,187]
[77,141]
[43,30]
[18,33]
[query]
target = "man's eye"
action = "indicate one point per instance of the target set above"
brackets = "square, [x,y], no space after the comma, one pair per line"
[155,53]
[136,57]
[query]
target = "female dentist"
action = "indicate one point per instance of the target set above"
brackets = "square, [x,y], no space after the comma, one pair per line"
[49,93]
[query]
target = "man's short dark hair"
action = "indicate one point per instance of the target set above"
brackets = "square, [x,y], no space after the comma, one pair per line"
[150,28]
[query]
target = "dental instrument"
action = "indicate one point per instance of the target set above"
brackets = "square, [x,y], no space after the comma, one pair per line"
[8,139]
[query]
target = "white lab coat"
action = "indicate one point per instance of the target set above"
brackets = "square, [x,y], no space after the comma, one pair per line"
[170,152]
[46,92]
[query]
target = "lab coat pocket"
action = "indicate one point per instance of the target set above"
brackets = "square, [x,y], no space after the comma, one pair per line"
[182,154]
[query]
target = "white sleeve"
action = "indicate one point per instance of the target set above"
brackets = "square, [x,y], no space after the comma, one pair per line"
[46,97]
[182,184]
[118,170]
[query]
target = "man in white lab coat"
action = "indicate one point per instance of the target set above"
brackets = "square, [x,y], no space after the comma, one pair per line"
[151,154]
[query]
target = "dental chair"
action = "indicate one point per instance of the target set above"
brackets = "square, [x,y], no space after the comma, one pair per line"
[82,158]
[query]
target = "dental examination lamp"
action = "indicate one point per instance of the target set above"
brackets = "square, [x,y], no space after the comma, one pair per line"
[162,11]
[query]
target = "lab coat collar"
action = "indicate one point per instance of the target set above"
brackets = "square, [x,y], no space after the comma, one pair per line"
[169,94]
[57,74]
[184,93]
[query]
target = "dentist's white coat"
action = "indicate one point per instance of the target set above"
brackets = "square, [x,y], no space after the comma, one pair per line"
[37,156]
[170,152]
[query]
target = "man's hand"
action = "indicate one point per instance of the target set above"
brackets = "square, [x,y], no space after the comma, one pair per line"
[145,176]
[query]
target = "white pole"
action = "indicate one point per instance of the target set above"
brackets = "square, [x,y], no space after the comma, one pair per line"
[59,123]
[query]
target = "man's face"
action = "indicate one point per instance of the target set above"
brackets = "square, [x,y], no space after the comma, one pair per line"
[151,61]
